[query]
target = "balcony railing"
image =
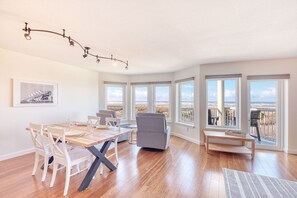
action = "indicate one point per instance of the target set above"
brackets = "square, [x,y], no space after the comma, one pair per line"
[267,125]
[267,122]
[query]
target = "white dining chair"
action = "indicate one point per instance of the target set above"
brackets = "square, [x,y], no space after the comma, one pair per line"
[66,158]
[113,122]
[42,148]
[94,120]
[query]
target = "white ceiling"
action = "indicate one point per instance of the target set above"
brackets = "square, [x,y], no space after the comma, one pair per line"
[154,35]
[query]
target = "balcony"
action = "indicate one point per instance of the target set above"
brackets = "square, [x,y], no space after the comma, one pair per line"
[267,122]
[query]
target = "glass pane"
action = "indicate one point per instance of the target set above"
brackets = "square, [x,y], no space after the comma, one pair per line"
[187,102]
[230,102]
[115,100]
[222,102]
[263,104]
[141,100]
[162,100]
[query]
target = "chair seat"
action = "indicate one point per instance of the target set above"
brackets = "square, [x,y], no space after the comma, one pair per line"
[78,155]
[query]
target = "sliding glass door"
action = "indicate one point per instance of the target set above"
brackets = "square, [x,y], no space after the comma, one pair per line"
[264,113]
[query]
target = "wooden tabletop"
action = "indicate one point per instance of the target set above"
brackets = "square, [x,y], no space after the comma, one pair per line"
[223,135]
[87,139]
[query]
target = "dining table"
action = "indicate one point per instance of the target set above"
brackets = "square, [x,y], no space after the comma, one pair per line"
[79,134]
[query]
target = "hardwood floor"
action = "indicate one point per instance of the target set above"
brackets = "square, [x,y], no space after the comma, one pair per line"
[184,170]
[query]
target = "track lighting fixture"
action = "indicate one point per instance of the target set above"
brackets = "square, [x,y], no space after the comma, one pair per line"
[71,41]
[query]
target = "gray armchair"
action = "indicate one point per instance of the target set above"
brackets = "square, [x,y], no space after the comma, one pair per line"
[152,131]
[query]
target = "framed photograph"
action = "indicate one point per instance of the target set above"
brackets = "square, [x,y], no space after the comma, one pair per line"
[33,93]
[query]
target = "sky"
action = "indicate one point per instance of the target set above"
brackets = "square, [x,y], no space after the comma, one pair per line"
[260,91]
[114,93]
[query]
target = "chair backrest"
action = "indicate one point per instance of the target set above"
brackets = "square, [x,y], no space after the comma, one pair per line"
[255,116]
[151,123]
[37,135]
[103,117]
[156,115]
[94,120]
[113,122]
[57,142]
[109,112]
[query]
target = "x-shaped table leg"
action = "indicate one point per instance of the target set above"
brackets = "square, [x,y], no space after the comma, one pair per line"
[100,157]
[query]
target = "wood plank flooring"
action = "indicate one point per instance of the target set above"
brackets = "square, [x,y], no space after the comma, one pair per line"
[184,170]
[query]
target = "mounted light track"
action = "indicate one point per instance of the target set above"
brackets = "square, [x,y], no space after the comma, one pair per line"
[72,42]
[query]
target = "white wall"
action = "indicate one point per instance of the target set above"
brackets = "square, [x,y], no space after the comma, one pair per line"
[77,98]
[280,66]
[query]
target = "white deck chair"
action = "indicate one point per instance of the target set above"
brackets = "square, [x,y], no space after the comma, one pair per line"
[42,148]
[66,158]
[115,122]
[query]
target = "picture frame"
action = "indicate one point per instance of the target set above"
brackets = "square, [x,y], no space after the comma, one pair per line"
[27,93]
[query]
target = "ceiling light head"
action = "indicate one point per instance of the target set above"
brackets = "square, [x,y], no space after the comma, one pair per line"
[71,42]
[126,65]
[86,52]
[97,59]
[27,35]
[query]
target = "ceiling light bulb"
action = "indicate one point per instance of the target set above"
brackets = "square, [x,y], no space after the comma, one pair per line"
[114,63]
[27,36]
[85,55]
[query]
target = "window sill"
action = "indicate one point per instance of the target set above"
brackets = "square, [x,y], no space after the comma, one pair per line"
[222,128]
[185,124]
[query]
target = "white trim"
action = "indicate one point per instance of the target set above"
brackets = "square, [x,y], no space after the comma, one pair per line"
[187,138]
[291,151]
[16,154]
[238,104]
[185,124]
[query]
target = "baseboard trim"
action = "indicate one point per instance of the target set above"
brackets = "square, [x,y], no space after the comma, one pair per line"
[187,138]
[16,154]
[290,151]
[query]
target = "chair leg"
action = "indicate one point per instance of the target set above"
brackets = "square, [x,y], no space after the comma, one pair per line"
[101,169]
[35,163]
[116,152]
[68,170]
[55,169]
[45,167]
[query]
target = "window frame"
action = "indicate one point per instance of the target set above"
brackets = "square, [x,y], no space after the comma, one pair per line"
[169,98]
[238,104]
[124,117]
[280,108]
[133,87]
[178,104]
